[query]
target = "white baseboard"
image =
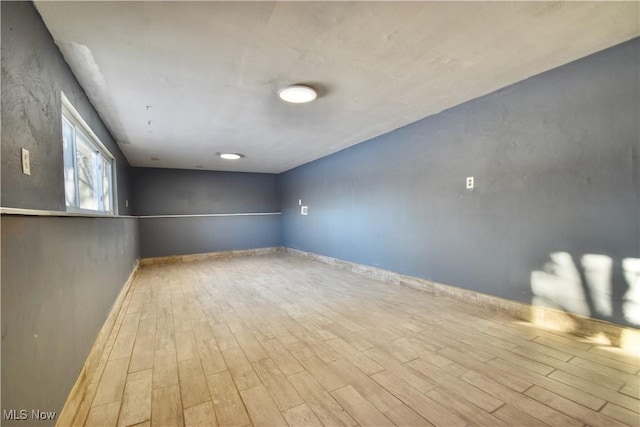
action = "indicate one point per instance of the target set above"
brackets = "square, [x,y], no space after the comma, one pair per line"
[77,405]
[210,255]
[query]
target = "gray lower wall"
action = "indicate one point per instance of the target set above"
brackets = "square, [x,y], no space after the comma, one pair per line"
[60,277]
[555,159]
[192,235]
[33,75]
[190,192]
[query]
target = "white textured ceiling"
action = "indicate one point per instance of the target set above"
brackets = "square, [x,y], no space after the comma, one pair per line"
[181,81]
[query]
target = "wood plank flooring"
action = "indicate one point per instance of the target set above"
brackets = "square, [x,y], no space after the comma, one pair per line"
[279,340]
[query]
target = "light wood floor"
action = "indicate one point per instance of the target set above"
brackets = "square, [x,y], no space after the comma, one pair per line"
[277,340]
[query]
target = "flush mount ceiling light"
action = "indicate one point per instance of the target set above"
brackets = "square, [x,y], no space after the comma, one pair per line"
[298,94]
[231,156]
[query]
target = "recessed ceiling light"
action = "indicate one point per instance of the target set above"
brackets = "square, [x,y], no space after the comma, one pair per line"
[231,156]
[298,94]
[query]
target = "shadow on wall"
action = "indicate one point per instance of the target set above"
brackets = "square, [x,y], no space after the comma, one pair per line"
[587,291]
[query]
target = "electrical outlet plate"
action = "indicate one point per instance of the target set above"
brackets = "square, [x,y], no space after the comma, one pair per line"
[26,167]
[304,210]
[470,182]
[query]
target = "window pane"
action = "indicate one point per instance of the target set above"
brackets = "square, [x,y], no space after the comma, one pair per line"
[106,184]
[88,166]
[69,164]
[86,161]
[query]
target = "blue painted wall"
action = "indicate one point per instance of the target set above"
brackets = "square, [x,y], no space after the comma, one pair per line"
[34,74]
[190,192]
[555,160]
[193,235]
[60,276]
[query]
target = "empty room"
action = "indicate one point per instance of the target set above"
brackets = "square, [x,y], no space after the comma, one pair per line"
[320,213]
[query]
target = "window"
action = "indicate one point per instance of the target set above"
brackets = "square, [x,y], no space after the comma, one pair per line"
[88,166]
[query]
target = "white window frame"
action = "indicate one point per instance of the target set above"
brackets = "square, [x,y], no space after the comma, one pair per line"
[71,116]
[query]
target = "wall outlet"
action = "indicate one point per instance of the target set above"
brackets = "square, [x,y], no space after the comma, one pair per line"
[470,182]
[26,166]
[304,210]
[126,203]
[299,202]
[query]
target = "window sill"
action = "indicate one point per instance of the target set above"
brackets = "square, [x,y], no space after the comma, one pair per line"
[35,212]
[89,214]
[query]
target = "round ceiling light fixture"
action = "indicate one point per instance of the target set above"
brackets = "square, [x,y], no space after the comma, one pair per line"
[298,94]
[231,156]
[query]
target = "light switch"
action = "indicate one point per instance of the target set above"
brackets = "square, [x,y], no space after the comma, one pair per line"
[304,210]
[26,167]
[299,202]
